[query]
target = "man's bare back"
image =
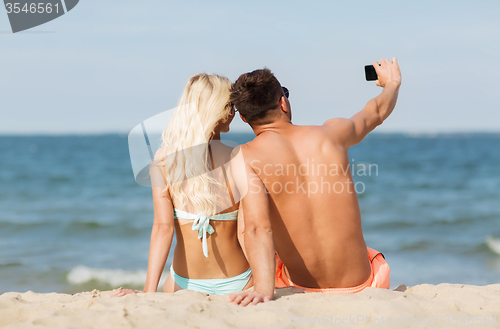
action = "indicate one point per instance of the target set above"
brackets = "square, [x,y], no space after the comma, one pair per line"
[299,197]
[314,208]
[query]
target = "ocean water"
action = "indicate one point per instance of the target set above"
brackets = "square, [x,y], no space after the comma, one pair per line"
[72,217]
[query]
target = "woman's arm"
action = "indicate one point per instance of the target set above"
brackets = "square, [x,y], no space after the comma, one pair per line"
[162,234]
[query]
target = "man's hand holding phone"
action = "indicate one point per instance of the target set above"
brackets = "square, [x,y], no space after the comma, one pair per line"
[387,72]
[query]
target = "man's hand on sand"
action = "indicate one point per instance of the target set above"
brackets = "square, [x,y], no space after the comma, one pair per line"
[122,292]
[387,72]
[248,297]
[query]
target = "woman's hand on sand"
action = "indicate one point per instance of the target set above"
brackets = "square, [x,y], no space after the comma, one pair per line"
[248,297]
[122,292]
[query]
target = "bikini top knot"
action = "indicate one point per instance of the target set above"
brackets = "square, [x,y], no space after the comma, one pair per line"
[201,224]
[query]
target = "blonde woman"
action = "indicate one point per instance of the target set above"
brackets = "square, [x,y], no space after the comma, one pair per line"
[194,197]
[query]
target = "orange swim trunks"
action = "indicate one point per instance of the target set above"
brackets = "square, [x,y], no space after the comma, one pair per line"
[379,277]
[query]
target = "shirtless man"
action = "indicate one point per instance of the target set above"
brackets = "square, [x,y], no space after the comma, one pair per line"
[299,196]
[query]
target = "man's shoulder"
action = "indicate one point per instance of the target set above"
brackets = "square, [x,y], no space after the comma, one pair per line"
[255,144]
[317,134]
[338,129]
[244,151]
[248,150]
[338,123]
[257,149]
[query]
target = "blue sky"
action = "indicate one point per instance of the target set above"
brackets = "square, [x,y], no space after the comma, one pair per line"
[108,65]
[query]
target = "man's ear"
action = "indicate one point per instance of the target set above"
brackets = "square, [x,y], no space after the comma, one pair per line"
[242,118]
[284,105]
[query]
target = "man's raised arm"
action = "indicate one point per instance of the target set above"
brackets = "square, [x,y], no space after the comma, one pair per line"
[352,131]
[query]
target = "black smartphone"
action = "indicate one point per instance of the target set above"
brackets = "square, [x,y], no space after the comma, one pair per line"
[370,73]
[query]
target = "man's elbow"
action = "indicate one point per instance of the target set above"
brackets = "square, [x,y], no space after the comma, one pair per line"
[378,121]
[258,230]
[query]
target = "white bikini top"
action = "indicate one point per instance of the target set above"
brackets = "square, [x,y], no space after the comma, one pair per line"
[201,223]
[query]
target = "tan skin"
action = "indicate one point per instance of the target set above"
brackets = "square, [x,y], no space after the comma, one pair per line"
[318,236]
[225,258]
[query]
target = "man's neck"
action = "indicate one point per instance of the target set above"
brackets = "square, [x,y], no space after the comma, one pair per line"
[277,126]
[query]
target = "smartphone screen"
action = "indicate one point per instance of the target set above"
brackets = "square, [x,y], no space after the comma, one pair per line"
[370,73]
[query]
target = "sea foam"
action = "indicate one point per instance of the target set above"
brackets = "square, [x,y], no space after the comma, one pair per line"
[115,277]
[493,243]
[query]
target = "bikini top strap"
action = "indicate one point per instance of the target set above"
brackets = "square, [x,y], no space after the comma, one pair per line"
[233,215]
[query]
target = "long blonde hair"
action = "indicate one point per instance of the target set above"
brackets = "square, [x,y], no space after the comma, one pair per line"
[185,141]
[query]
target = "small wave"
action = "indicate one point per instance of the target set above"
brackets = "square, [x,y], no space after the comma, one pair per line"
[392,225]
[21,226]
[419,245]
[87,225]
[493,243]
[114,277]
[10,264]
[453,221]
[94,226]
[73,226]
[429,223]
[445,247]
[59,179]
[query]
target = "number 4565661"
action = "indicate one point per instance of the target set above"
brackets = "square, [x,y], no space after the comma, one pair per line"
[32,8]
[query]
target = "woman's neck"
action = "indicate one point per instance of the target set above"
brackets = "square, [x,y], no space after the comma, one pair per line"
[216,136]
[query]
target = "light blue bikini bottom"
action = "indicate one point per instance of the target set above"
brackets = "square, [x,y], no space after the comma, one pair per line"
[213,286]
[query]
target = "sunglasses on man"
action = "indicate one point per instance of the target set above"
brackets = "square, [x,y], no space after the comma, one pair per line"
[286,92]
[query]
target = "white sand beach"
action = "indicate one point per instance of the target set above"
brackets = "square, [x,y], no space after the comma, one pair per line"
[422,306]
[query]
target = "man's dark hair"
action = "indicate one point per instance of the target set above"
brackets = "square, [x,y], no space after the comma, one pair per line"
[255,93]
